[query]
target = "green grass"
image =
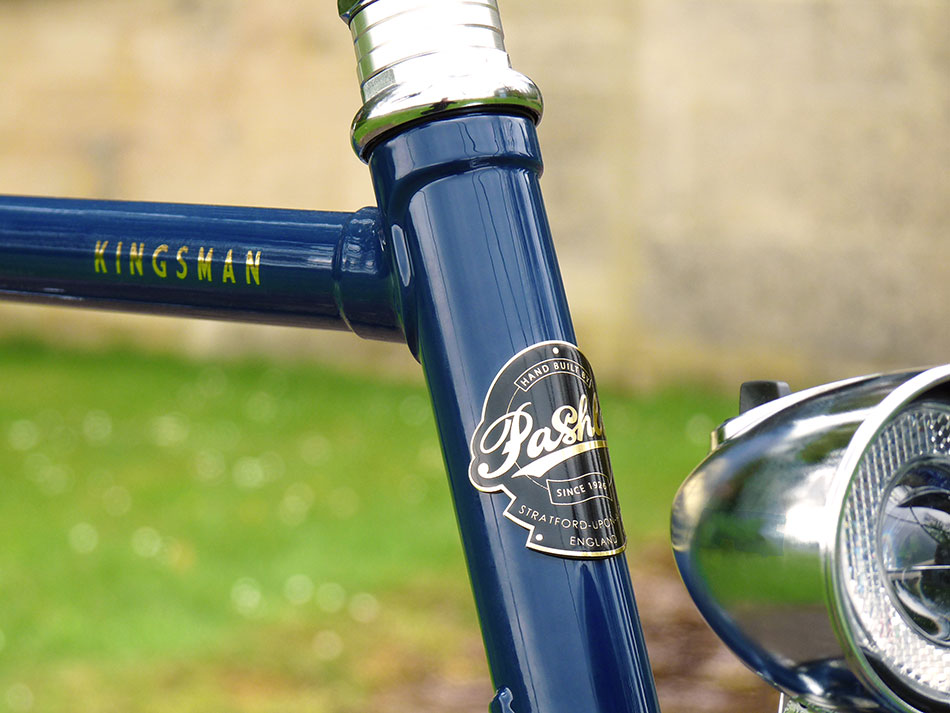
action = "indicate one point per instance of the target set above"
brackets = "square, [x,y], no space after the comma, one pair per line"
[179,529]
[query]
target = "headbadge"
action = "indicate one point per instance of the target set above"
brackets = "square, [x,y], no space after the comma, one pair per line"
[541,442]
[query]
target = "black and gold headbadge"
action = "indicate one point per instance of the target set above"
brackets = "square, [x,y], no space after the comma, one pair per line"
[541,442]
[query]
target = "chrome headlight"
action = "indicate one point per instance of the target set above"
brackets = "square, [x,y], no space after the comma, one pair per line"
[815,539]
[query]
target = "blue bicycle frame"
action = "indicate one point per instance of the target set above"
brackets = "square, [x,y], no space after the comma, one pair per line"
[458,262]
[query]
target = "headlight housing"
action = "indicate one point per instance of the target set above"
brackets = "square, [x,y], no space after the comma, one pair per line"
[815,539]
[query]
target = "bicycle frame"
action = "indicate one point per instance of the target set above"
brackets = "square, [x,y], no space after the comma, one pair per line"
[458,262]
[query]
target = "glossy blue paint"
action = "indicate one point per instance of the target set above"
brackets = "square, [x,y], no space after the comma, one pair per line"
[478,281]
[293,267]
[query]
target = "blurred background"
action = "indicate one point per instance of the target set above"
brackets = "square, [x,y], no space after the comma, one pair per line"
[738,189]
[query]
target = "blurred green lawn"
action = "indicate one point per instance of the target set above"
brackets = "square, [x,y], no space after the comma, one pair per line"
[183,535]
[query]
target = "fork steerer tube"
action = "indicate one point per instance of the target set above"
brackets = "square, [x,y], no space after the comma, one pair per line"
[290,267]
[478,282]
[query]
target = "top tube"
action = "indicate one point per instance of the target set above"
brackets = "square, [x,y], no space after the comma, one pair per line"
[284,267]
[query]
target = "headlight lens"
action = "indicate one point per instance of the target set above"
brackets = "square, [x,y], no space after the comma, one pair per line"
[894,547]
[915,546]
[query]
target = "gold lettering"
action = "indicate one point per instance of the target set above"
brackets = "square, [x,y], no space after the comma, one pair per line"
[253,267]
[228,268]
[118,258]
[135,258]
[204,264]
[160,270]
[100,256]
[183,270]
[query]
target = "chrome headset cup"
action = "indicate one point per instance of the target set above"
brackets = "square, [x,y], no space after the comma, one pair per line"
[794,537]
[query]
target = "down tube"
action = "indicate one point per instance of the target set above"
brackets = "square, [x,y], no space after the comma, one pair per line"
[484,310]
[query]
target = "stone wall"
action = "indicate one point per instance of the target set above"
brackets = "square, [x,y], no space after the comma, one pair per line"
[738,188]
[792,182]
